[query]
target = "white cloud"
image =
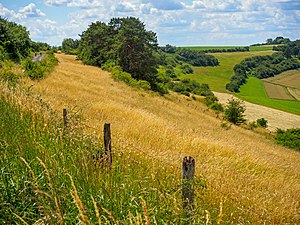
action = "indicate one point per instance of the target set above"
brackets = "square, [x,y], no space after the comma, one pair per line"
[10,14]
[31,11]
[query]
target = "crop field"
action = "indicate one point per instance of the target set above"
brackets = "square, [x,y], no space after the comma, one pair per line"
[261,48]
[252,48]
[284,86]
[217,77]
[254,91]
[289,78]
[277,91]
[203,48]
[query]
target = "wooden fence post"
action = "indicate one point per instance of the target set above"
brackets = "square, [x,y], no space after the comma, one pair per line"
[65,117]
[107,157]
[188,171]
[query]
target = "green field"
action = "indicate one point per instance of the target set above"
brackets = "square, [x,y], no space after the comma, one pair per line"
[204,48]
[261,48]
[254,91]
[217,77]
[252,48]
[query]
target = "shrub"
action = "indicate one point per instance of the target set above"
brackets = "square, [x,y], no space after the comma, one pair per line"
[262,122]
[216,106]
[289,138]
[234,111]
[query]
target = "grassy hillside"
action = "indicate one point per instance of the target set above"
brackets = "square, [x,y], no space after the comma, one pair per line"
[247,176]
[217,77]
[252,48]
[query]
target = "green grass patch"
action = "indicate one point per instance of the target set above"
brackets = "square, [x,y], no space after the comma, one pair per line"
[261,48]
[204,48]
[217,77]
[254,91]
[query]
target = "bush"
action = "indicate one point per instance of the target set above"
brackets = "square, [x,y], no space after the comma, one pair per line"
[10,78]
[234,111]
[289,138]
[262,122]
[216,106]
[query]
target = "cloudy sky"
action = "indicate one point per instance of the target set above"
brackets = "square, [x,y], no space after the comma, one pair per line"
[176,22]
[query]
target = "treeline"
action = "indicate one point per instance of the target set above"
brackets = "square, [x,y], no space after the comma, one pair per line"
[131,53]
[277,41]
[193,57]
[235,49]
[264,66]
[15,43]
[291,49]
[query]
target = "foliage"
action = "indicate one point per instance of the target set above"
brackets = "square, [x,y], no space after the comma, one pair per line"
[289,138]
[14,39]
[209,49]
[70,46]
[289,50]
[124,41]
[260,67]
[234,111]
[38,70]
[9,77]
[39,46]
[262,122]
[186,86]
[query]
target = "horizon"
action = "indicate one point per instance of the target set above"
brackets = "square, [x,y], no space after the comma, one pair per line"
[178,23]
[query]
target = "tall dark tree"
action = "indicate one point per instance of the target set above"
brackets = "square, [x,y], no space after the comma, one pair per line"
[135,48]
[70,45]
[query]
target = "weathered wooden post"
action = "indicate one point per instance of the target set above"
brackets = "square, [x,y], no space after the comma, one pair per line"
[65,117]
[107,157]
[188,171]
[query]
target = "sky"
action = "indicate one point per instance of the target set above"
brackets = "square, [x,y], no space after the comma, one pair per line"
[176,22]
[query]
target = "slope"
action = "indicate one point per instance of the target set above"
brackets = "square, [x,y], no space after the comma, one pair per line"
[256,180]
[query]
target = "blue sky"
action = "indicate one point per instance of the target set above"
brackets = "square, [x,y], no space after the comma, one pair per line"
[176,22]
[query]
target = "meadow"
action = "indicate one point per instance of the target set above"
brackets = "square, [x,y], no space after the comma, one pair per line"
[217,77]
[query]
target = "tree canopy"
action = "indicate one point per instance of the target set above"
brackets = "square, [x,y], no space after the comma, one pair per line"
[123,41]
[14,40]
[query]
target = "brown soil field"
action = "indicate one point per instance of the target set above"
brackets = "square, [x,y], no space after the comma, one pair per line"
[257,181]
[294,92]
[277,91]
[289,78]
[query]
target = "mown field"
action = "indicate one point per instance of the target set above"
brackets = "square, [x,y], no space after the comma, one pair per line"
[217,77]
[289,84]
[254,91]
[252,48]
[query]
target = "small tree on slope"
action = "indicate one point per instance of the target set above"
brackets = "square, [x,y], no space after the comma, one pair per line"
[234,111]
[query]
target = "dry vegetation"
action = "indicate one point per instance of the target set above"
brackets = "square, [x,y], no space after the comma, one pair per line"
[284,86]
[257,181]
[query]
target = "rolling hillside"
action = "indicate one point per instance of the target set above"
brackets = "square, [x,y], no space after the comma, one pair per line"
[255,180]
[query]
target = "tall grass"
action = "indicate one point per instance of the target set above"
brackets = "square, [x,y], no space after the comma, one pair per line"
[50,175]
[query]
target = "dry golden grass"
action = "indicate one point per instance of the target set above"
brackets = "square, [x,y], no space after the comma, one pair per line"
[290,78]
[256,180]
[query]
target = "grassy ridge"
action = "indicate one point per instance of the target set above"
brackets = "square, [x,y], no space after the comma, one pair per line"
[254,91]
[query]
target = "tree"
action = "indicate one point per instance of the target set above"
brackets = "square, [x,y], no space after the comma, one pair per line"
[70,45]
[14,39]
[234,111]
[135,48]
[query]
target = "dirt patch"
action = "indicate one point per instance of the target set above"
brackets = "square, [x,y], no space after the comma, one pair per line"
[276,118]
[289,78]
[277,91]
[294,92]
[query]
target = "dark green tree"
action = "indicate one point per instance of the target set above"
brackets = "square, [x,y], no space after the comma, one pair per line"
[234,111]
[14,39]
[70,45]
[135,48]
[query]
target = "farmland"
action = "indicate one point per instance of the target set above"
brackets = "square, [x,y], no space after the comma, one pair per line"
[288,82]
[252,48]
[217,77]
[254,91]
